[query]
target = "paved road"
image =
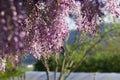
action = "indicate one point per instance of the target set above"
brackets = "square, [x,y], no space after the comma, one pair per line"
[75,76]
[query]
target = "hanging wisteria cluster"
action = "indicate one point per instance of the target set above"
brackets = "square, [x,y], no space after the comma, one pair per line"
[112,6]
[12,35]
[41,26]
[49,25]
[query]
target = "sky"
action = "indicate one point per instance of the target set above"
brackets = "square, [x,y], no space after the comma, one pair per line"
[108,19]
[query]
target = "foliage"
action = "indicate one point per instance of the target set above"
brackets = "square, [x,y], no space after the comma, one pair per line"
[46,27]
[103,57]
[40,27]
[102,62]
[12,71]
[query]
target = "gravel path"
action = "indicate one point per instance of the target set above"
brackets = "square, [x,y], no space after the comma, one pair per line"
[75,76]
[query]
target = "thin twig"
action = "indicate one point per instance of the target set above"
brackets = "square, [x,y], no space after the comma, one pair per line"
[63,65]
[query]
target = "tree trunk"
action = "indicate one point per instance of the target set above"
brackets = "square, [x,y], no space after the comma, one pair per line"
[56,66]
[45,62]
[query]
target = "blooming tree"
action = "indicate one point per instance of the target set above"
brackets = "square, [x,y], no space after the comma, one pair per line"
[41,26]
